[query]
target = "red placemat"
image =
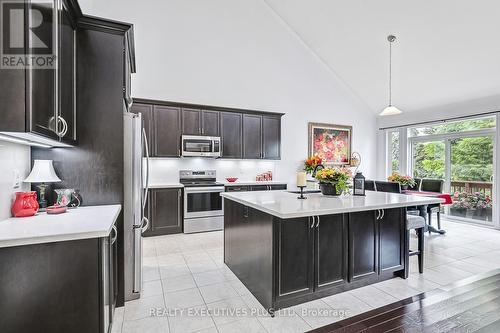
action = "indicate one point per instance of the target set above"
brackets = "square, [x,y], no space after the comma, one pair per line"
[445,196]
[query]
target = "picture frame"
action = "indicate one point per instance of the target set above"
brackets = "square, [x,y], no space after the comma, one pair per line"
[333,143]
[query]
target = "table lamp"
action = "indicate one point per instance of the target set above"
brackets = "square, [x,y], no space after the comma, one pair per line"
[43,172]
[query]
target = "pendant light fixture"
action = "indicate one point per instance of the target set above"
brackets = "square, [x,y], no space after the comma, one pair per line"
[391,109]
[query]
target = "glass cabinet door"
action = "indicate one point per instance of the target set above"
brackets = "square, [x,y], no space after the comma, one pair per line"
[67,100]
[42,84]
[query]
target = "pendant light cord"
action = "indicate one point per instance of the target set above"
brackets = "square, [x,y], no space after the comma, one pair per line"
[390,73]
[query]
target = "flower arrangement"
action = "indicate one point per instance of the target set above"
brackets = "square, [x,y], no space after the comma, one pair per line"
[311,163]
[405,181]
[477,200]
[337,177]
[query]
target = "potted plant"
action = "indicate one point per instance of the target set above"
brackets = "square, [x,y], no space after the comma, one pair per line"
[311,163]
[404,181]
[461,203]
[483,206]
[333,181]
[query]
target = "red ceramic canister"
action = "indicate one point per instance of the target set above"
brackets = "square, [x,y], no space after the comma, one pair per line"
[25,204]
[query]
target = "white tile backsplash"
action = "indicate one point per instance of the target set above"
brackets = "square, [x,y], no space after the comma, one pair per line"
[13,158]
[166,170]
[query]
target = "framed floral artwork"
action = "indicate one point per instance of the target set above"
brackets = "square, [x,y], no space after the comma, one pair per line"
[330,142]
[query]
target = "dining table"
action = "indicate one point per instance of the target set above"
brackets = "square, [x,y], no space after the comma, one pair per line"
[448,200]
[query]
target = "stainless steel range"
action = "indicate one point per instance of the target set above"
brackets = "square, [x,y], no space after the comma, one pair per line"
[203,205]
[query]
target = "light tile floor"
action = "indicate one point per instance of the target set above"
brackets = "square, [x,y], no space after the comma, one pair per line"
[187,273]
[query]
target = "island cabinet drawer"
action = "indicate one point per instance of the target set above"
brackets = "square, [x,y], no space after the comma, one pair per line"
[312,255]
[236,188]
[376,243]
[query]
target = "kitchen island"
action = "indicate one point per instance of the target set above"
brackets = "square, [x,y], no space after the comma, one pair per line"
[288,251]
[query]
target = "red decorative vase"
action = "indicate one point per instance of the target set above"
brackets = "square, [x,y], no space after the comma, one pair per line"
[25,204]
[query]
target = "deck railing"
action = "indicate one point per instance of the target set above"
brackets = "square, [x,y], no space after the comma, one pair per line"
[471,187]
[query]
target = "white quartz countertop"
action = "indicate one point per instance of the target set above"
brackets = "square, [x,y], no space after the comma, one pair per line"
[78,223]
[165,185]
[254,182]
[285,205]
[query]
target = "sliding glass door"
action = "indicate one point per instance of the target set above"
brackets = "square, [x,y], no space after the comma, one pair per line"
[461,154]
[471,166]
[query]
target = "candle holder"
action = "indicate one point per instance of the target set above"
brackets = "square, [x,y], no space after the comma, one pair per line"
[301,193]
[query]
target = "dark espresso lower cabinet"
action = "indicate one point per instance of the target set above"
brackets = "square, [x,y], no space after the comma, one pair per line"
[312,254]
[391,235]
[295,257]
[57,287]
[284,262]
[164,211]
[363,245]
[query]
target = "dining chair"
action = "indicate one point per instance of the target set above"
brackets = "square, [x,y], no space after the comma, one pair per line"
[370,185]
[433,185]
[415,222]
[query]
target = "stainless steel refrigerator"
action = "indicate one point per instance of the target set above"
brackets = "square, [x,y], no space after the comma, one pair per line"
[136,192]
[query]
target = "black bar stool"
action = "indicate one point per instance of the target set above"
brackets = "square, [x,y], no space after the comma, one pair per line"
[412,222]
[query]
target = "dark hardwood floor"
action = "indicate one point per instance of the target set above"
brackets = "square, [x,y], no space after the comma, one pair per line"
[470,305]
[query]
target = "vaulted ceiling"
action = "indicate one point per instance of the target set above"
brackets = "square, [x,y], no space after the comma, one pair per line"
[447,51]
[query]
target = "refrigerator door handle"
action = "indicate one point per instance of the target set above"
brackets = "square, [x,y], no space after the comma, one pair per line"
[144,227]
[146,188]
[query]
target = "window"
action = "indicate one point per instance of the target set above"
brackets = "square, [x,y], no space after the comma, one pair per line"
[453,127]
[394,149]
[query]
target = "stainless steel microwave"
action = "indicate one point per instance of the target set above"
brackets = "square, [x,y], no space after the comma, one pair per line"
[204,146]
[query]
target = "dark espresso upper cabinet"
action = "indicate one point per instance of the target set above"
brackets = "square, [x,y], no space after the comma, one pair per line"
[252,136]
[44,102]
[67,73]
[198,122]
[231,125]
[167,130]
[210,123]
[191,122]
[245,134]
[271,137]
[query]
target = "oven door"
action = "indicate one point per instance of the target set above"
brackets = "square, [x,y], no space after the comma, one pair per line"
[200,146]
[203,202]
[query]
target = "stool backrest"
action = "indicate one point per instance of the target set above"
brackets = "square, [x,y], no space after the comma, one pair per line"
[370,185]
[392,187]
[418,181]
[432,185]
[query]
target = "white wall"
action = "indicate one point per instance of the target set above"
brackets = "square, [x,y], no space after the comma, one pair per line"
[13,157]
[238,53]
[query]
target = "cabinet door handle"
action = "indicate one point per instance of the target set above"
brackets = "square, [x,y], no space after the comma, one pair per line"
[378,214]
[383,214]
[64,129]
[317,223]
[313,221]
[245,212]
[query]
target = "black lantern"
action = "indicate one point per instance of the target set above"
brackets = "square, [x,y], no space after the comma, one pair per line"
[359,184]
